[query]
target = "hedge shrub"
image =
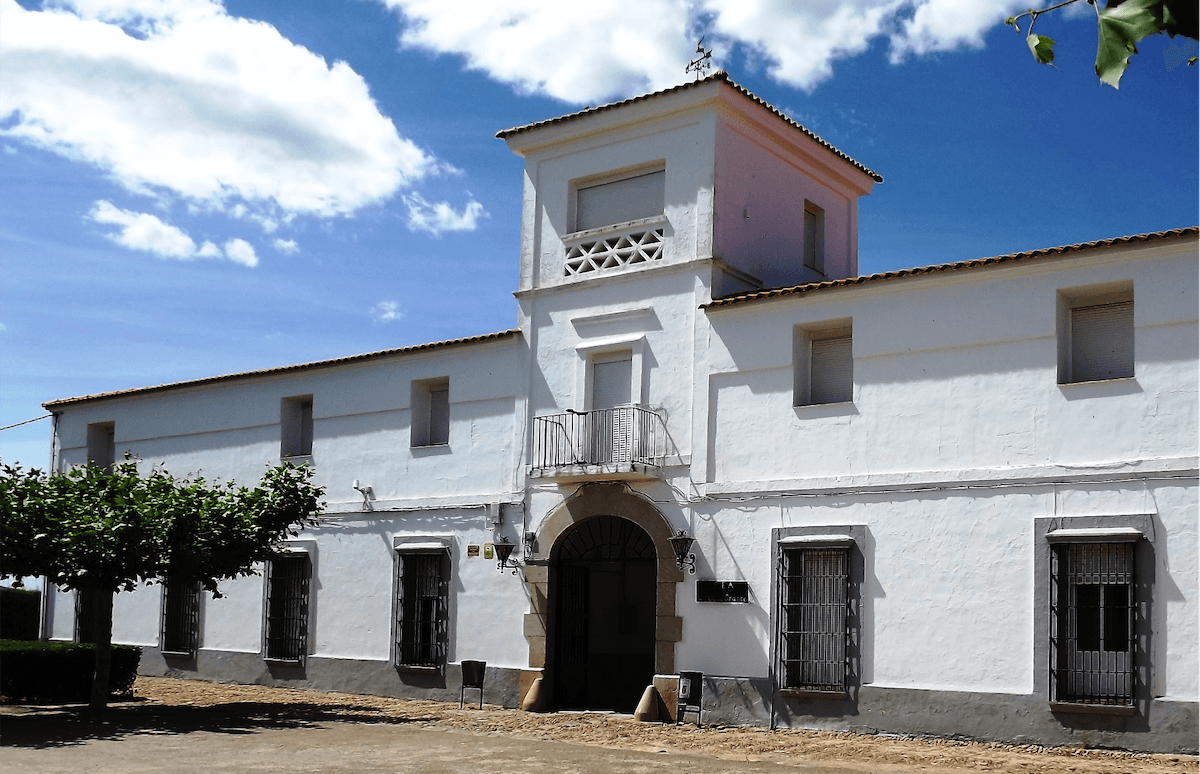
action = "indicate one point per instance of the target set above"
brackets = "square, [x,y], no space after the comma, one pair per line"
[61,672]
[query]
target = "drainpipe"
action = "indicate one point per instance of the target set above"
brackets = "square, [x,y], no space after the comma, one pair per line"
[44,613]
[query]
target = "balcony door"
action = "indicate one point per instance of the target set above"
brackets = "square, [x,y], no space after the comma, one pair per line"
[611,428]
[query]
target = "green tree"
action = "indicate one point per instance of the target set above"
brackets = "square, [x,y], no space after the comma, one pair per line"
[107,530]
[1122,25]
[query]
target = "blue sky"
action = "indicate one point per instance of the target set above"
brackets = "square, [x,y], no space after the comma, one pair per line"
[189,188]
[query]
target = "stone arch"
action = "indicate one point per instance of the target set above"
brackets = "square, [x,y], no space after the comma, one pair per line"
[589,501]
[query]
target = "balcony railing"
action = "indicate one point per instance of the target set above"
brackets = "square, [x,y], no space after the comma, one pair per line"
[622,442]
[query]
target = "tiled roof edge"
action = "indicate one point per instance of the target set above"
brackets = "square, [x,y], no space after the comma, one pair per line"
[282,369]
[796,290]
[721,76]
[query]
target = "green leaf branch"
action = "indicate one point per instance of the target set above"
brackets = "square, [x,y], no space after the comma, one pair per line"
[1122,25]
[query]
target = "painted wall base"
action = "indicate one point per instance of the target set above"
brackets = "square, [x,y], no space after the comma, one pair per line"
[376,678]
[1162,726]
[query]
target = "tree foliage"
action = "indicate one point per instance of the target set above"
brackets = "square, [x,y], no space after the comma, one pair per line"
[1122,25]
[110,529]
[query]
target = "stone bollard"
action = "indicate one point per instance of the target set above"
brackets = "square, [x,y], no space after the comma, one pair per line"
[647,708]
[533,697]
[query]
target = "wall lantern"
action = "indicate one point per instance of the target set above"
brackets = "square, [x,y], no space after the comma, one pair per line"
[504,550]
[681,543]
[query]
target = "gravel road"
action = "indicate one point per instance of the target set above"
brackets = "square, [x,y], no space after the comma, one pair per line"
[187,726]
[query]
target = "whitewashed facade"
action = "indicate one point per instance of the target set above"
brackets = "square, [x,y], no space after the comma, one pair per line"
[899,485]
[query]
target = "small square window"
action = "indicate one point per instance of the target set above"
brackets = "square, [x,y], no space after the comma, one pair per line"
[824,364]
[1095,336]
[296,426]
[101,444]
[430,412]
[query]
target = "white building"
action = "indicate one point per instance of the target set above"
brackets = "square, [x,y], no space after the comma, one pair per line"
[960,499]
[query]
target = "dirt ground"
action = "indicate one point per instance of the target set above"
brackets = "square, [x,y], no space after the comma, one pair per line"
[190,704]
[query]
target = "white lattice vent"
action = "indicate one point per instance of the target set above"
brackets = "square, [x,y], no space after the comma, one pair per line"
[615,251]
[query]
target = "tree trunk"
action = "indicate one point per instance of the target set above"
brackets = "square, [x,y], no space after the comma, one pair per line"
[103,613]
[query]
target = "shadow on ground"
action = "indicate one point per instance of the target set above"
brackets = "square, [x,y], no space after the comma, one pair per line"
[49,727]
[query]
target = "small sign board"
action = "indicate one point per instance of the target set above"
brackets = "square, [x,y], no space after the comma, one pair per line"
[472,550]
[722,591]
[487,550]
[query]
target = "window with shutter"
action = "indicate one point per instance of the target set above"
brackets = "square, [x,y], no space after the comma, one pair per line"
[620,201]
[824,364]
[1102,342]
[430,412]
[832,371]
[296,426]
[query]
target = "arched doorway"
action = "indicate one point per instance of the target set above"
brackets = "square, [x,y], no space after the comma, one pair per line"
[604,602]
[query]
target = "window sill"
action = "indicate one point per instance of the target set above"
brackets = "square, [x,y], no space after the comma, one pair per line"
[801,693]
[297,459]
[1093,709]
[418,669]
[591,233]
[1114,380]
[178,653]
[284,661]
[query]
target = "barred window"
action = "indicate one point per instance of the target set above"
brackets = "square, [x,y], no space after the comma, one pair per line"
[87,621]
[1092,623]
[421,601]
[814,597]
[180,618]
[287,607]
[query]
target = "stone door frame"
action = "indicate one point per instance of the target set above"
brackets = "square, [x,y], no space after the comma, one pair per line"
[601,500]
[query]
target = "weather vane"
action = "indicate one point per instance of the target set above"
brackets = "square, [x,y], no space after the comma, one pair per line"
[701,64]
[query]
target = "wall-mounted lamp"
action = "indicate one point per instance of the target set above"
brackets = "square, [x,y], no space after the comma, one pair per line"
[504,550]
[366,493]
[681,543]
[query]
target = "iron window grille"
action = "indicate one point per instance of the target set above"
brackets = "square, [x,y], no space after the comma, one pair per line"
[1092,633]
[288,581]
[179,630]
[814,630]
[422,592]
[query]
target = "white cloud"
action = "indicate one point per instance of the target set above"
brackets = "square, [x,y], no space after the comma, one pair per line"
[570,50]
[438,218]
[286,246]
[386,311]
[584,52]
[240,251]
[177,97]
[149,234]
[142,231]
[944,25]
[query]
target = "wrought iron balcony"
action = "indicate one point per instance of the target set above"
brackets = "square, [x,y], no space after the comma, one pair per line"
[626,442]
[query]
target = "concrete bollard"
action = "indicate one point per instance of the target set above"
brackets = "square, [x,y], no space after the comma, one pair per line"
[533,697]
[647,708]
